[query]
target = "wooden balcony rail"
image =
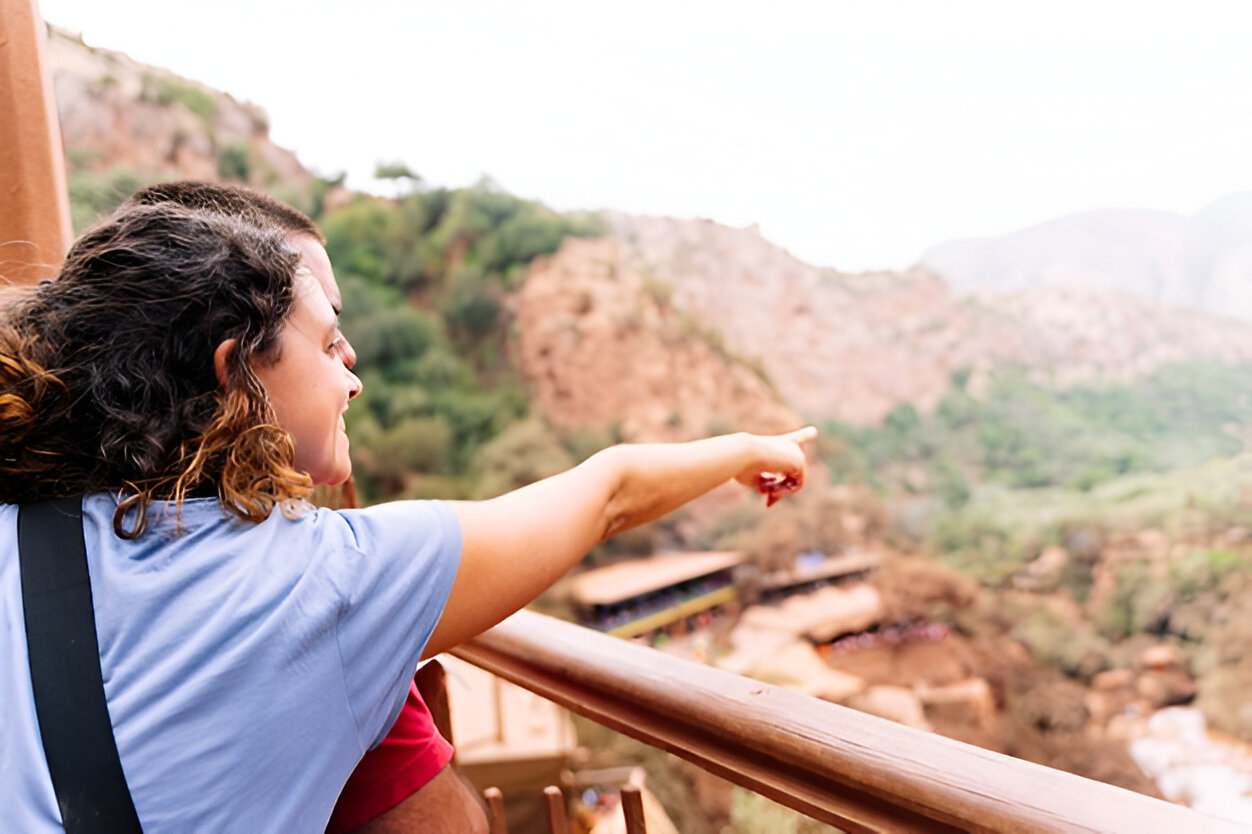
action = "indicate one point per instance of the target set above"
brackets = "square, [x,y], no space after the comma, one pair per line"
[845,768]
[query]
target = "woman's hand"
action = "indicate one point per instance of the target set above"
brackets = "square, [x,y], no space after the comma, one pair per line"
[780,467]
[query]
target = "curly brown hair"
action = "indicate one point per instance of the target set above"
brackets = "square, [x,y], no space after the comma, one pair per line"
[107,379]
[260,209]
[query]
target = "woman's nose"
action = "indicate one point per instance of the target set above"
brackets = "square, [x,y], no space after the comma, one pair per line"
[349,353]
[354,382]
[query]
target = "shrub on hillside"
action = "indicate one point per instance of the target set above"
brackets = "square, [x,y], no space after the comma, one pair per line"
[235,162]
[1141,602]
[414,445]
[525,452]
[94,195]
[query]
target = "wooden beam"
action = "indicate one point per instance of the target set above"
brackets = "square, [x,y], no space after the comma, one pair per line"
[35,228]
[846,768]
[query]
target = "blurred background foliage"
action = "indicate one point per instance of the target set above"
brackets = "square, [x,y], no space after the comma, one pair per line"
[989,481]
[1022,434]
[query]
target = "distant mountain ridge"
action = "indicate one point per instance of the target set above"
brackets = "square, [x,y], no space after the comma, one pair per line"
[1202,262]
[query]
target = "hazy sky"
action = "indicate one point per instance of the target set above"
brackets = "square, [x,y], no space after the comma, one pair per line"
[856,134]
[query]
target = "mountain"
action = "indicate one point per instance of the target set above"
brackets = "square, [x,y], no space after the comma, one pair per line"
[830,344]
[118,114]
[1203,261]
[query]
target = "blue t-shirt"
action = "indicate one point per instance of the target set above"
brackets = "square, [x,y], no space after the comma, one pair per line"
[247,666]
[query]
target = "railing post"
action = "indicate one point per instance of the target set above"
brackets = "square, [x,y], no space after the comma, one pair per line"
[35,228]
[558,822]
[495,811]
[632,810]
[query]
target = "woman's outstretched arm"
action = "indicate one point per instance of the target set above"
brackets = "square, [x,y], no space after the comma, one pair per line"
[517,545]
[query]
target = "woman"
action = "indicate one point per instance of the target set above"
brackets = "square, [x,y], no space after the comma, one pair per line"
[405,783]
[186,376]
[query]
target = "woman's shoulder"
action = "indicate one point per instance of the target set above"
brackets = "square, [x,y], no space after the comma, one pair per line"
[403,519]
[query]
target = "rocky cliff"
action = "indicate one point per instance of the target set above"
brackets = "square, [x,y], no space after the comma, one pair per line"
[118,113]
[825,343]
[601,344]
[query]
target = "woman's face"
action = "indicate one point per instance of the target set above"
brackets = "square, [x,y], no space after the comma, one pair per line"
[312,381]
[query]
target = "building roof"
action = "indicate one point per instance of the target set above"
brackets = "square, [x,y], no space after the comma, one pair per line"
[625,580]
[829,568]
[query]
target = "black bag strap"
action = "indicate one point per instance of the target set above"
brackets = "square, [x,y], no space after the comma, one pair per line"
[65,671]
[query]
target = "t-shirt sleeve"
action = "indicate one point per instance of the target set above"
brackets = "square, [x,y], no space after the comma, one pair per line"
[401,561]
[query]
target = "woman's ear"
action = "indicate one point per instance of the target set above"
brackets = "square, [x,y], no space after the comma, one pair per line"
[221,356]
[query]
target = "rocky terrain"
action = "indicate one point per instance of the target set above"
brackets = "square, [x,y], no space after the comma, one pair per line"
[600,343]
[116,112]
[832,344]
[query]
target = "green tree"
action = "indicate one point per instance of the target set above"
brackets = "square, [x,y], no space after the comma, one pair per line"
[235,162]
[94,195]
[357,238]
[390,336]
[472,308]
[413,445]
[396,171]
[525,452]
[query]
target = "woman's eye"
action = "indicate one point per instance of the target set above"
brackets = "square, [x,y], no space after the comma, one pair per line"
[334,346]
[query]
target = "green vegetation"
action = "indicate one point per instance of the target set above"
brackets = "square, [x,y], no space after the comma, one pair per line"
[93,194]
[1077,650]
[1201,570]
[235,162]
[471,242]
[999,530]
[1023,466]
[1021,434]
[751,812]
[395,171]
[98,87]
[694,803]
[424,280]
[166,90]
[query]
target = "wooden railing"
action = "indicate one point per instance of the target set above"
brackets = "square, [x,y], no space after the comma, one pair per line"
[846,768]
